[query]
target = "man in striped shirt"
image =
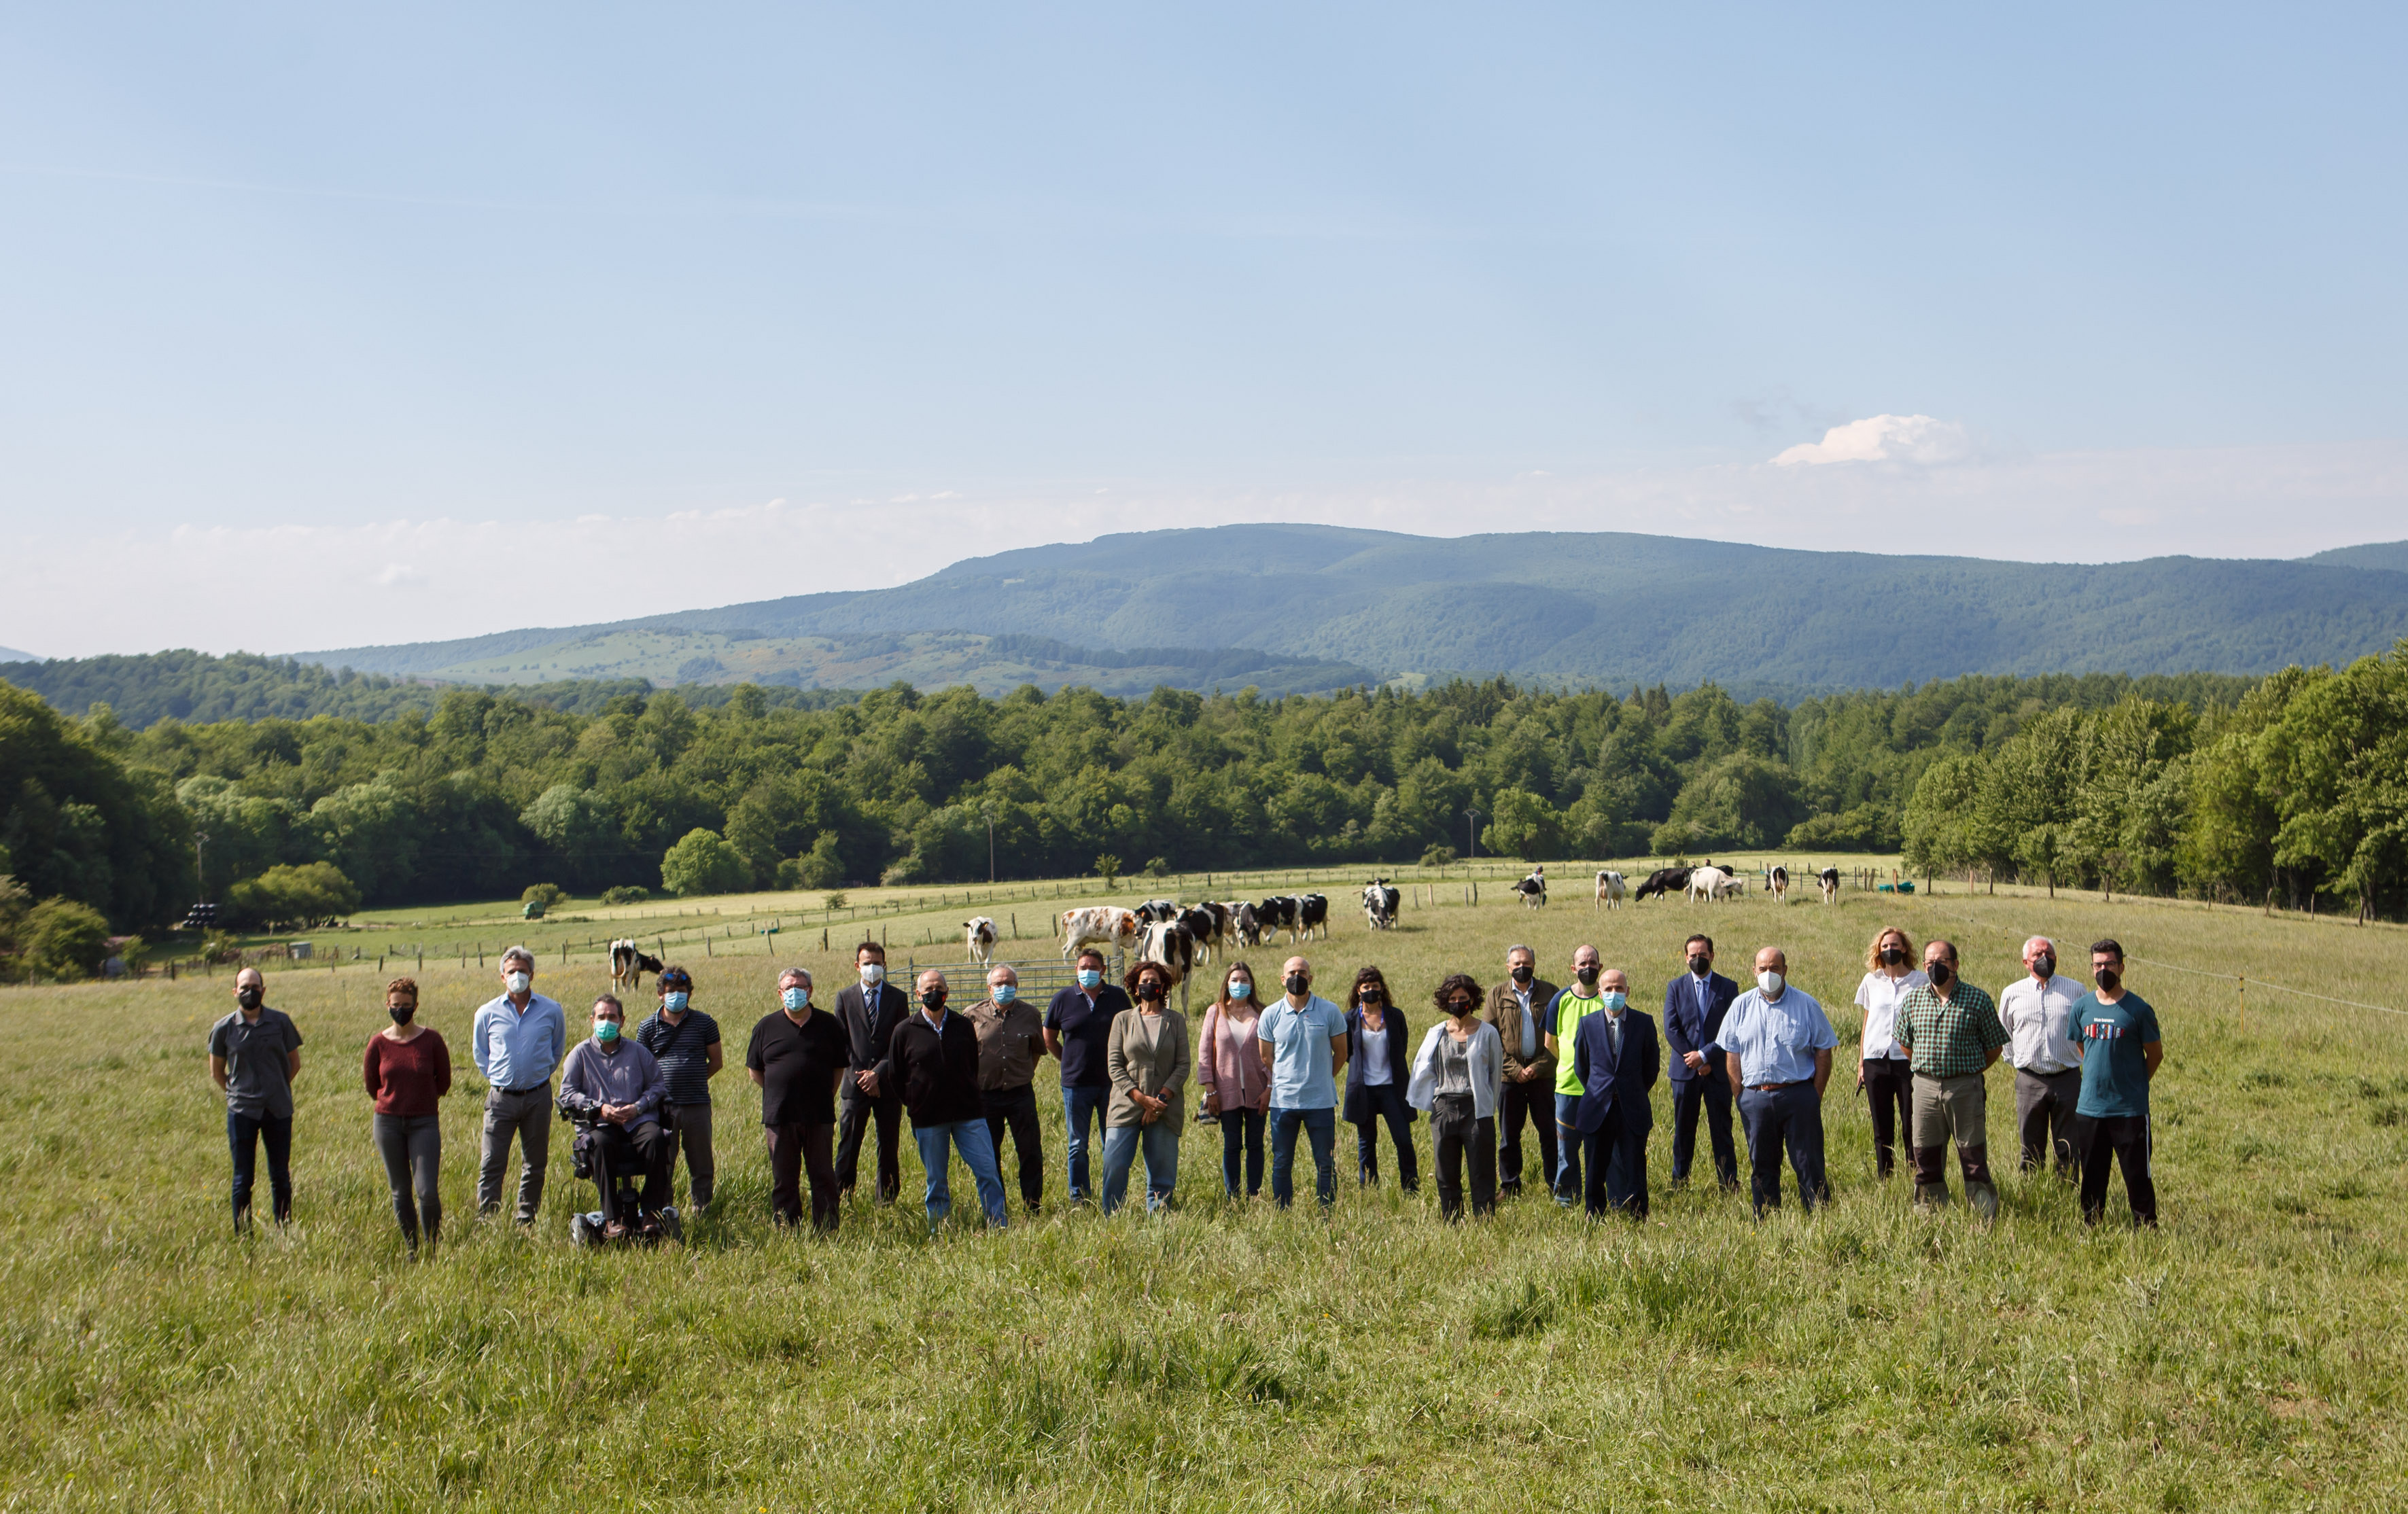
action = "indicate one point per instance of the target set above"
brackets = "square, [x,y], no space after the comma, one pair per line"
[1951,1034]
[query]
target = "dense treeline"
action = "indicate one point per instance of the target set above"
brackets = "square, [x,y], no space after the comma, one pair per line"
[488,791]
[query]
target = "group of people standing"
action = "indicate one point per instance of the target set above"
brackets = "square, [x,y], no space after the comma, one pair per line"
[1576,1065]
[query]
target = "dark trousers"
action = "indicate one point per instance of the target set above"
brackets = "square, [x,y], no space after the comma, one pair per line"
[1017,1109]
[1533,1101]
[1386,1101]
[1784,1118]
[646,1148]
[1890,1090]
[1320,1127]
[2128,1137]
[2045,1104]
[1709,1092]
[245,1135]
[1617,1165]
[694,1139]
[1241,1140]
[412,1149]
[794,1149]
[1461,1137]
[854,1114]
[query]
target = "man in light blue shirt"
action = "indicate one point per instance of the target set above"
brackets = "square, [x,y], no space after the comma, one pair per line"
[1776,1043]
[518,1041]
[1302,1038]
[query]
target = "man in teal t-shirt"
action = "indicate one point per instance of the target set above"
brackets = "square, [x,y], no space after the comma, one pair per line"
[1584,997]
[2116,1034]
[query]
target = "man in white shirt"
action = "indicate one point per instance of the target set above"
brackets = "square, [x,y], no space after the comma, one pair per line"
[2035,1010]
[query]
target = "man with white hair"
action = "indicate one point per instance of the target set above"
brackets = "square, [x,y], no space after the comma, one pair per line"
[2036,1010]
[518,1041]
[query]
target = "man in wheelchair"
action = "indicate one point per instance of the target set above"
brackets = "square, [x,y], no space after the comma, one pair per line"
[612,1090]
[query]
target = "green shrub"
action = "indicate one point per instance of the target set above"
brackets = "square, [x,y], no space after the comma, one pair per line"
[547,894]
[289,895]
[703,863]
[625,894]
[1436,855]
[65,938]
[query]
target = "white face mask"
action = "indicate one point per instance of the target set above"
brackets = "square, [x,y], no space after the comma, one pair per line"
[1770,983]
[873,974]
[518,982]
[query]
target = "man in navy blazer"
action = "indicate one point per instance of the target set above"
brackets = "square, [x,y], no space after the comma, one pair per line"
[1694,1003]
[1616,1057]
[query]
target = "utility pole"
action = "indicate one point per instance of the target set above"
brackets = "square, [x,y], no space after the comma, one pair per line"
[988,810]
[1472,829]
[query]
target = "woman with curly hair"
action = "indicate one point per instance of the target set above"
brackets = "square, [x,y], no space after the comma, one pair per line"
[1459,1078]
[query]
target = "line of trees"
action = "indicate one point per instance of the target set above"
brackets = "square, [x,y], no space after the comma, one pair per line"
[2197,782]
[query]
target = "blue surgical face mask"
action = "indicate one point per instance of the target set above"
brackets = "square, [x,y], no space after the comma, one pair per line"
[1241,989]
[1615,999]
[1006,993]
[796,998]
[606,1030]
[674,1003]
[1089,977]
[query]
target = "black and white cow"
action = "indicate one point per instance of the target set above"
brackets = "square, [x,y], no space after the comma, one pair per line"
[629,963]
[1203,927]
[978,933]
[1779,883]
[1154,911]
[1312,914]
[1829,879]
[1610,889]
[1276,913]
[1171,945]
[1533,889]
[1247,923]
[1380,901]
[1666,881]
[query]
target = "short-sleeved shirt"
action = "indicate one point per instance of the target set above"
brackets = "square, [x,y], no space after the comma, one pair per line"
[1950,1038]
[258,1055]
[1087,1032]
[1776,1042]
[2115,1073]
[1011,1041]
[1300,1056]
[799,1066]
[1879,996]
[1569,1009]
[683,1051]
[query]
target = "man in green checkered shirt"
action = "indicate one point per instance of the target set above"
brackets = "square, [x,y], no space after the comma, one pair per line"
[1951,1034]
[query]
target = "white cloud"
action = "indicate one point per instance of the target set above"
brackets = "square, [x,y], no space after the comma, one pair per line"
[1886,439]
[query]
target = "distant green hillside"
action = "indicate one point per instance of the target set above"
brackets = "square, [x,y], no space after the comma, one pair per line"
[1565,608]
[2391,556]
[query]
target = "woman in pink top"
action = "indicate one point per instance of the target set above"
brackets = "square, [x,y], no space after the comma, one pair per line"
[1229,1069]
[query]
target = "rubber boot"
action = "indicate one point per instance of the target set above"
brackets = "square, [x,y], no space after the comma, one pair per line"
[1985,1200]
[1980,1192]
[1931,1195]
[1931,1176]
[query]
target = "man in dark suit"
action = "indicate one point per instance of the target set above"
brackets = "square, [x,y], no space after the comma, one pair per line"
[868,1012]
[1616,1057]
[1522,1010]
[1694,1004]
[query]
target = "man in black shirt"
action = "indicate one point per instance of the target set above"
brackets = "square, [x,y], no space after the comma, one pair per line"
[934,1063]
[685,1042]
[869,1011]
[1079,1030]
[796,1056]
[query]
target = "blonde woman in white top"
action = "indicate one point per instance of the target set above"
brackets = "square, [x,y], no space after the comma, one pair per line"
[1882,1074]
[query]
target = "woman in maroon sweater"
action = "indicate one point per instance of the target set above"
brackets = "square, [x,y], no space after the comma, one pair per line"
[406,1068]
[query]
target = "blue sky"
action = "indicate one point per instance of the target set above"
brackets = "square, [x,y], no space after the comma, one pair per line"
[829,296]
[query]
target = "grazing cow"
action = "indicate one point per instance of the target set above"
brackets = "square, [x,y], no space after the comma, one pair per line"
[1829,879]
[1200,926]
[1312,914]
[1105,926]
[1533,889]
[1780,885]
[979,931]
[1171,945]
[1247,923]
[1276,913]
[629,963]
[1666,881]
[1219,935]
[1154,911]
[1608,889]
[1712,883]
[1380,901]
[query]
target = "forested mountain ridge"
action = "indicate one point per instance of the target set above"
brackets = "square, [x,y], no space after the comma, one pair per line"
[1570,610]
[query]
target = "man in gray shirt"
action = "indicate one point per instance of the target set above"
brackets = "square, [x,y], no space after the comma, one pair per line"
[254,1055]
[613,1083]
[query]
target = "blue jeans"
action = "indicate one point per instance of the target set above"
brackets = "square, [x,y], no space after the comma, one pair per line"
[1568,1149]
[968,1137]
[244,1137]
[1320,1126]
[1781,1118]
[1161,1142]
[1083,1109]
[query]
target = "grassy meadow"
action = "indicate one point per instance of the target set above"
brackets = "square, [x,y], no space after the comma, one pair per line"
[2249,1354]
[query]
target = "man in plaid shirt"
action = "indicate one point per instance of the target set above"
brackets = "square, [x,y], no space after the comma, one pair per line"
[1951,1034]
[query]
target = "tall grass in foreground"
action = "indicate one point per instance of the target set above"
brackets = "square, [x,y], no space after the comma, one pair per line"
[2247,1355]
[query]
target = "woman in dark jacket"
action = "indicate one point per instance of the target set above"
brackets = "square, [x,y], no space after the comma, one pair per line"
[1379,1061]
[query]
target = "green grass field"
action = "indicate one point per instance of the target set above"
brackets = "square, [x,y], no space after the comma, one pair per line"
[2247,1355]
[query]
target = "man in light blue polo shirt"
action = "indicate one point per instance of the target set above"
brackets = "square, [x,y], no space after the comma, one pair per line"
[518,1041]
[1302,1038]
[1776,1045]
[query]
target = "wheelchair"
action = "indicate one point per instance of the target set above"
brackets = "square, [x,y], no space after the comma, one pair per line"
[603,1153]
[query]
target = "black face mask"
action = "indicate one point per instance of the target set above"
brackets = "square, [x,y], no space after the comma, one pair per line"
[1940,973]
[1587,976]
[1892,956]
[2043,965]
[2107,978]
[932,999]
[1150,991]
[401,1012]
[1299,984]
[1370,997]
[1702,965]
[1522,974]
[248,997]
[1459,1009]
